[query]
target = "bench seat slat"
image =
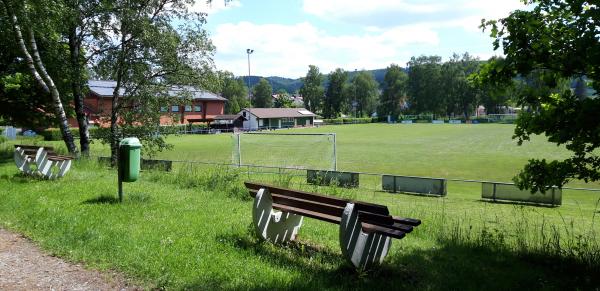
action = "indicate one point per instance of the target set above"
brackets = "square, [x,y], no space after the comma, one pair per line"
[371,228]
[59,158]
[307,213]
[409,221]
[383,220]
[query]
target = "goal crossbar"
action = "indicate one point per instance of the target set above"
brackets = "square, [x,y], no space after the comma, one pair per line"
[238,146]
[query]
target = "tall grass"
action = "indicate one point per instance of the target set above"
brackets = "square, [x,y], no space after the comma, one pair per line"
[220,179]
[523,232]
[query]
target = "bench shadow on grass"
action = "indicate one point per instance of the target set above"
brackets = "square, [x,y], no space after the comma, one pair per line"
[449,267]
[22,178]
[517,203]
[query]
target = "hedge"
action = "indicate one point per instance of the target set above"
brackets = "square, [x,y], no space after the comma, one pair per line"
[53,134]
[341,120]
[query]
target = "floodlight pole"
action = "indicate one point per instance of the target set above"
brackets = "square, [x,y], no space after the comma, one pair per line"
[249,51]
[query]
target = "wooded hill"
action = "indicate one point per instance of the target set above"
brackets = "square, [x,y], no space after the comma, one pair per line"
[293,85]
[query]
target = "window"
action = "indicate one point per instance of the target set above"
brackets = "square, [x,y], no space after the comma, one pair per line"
[164,109]
[188,108]
[287,119]
[197,108]
[175,108]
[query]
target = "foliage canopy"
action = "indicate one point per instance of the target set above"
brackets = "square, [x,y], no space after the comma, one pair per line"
[557,39]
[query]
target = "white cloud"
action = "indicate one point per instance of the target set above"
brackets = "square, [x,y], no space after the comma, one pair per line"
[381,32]
[390,13]
[214,6]
[287,50]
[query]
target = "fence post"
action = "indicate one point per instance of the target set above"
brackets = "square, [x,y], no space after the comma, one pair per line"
[334,153]
[239,150]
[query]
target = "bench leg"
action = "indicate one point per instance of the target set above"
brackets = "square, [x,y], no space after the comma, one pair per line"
[43,164]
[272,225]
[63,168]
[361,249]
[22,161]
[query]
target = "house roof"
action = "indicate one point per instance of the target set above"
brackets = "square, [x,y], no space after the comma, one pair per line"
[279,112]
[106,89]
[228,117]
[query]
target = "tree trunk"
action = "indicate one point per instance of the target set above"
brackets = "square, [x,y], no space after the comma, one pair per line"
[61,116]
[42,77]
[76,79]
[114,113]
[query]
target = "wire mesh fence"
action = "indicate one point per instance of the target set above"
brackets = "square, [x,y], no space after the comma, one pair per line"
[371,182]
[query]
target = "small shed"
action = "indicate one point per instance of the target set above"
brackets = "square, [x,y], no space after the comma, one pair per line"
[228,121]
[271,118]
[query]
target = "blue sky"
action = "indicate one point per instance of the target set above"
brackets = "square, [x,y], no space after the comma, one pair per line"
[287,36]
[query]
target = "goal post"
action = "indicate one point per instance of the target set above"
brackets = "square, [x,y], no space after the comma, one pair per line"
[293,150]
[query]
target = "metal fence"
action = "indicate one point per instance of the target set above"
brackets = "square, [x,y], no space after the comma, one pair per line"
[374,182]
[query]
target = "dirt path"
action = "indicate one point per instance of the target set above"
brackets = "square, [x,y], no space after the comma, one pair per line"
[24,267]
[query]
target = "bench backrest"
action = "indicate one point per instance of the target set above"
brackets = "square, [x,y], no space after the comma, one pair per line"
[30,147]
[327,203]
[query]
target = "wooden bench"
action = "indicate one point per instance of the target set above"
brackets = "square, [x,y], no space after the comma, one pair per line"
[41,160]
[366,229]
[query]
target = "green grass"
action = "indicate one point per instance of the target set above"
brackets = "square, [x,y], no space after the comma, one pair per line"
[478,151]
[191,229]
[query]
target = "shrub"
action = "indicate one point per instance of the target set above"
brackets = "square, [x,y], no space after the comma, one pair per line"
[350,120]
[3,139]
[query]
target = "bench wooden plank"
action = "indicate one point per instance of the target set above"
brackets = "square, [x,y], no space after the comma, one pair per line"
[383,220]
[59,158]
[314,206]
[367,227]
[308,213]
[364,206]
[409,221]
[331,213]
[24,146]
[371,228]
[323,208]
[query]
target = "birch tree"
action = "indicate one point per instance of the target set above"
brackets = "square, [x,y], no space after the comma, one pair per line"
[17,13]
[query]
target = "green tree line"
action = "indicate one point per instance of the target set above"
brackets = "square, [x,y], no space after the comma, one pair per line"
[426,86]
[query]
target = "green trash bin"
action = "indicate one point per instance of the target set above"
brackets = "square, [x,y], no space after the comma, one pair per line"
[129,159]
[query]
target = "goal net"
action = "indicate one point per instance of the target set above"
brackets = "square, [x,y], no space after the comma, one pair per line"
[297,150]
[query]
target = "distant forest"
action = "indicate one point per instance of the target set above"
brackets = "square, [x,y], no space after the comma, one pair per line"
[294,85]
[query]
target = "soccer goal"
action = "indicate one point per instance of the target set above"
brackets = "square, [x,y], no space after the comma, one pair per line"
[294,150]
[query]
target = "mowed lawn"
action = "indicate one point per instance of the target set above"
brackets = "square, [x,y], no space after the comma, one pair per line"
[191,228]
[479,151]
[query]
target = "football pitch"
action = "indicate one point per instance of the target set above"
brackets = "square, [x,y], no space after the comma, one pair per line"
[478,152]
